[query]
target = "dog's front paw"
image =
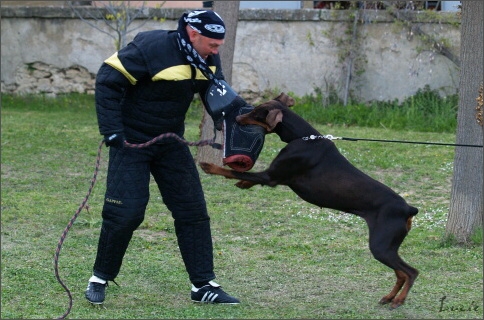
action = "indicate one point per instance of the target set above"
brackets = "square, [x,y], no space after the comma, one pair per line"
[207,167]
[242,184]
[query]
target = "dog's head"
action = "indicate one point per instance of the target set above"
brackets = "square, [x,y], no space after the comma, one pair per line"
[268,114]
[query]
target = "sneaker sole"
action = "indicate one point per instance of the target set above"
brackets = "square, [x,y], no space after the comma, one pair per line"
[230,303]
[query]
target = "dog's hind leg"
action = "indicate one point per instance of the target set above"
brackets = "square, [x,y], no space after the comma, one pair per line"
[410,276]
[401,278]
[385,240]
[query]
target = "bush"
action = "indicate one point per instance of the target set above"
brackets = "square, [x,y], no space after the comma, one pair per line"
[426,111]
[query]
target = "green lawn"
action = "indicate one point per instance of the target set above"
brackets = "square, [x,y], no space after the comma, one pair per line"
[282,257]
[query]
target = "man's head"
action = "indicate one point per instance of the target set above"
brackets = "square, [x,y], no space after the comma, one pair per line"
[206,31]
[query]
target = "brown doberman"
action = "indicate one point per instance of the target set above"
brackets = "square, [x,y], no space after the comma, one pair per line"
[316,171]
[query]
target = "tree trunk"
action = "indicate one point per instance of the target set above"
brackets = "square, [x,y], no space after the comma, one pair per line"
[466,203]
[229,11]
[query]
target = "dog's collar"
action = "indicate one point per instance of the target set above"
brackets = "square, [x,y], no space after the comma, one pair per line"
[314,137]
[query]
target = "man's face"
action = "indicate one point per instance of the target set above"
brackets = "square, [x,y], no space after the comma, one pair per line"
[205,46]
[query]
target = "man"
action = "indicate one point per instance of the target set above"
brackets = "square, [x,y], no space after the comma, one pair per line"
[142,91]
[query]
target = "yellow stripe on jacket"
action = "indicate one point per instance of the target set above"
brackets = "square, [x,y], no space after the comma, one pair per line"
[114,62]
[180,72]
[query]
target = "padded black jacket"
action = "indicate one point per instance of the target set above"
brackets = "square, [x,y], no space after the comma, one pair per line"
[145,89]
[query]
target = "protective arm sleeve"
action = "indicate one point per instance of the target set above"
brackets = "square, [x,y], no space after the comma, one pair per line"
[208,87]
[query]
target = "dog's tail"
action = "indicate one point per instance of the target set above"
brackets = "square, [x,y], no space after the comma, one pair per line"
[412,212]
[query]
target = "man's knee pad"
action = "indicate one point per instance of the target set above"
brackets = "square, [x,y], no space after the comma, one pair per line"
[124,214]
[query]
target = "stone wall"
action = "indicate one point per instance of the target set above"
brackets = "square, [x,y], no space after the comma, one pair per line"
[50,50]
[39,77]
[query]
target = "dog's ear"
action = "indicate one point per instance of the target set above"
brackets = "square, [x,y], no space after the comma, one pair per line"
[273,118]
[285,100]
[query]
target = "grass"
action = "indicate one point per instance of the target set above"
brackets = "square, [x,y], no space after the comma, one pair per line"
[283,257]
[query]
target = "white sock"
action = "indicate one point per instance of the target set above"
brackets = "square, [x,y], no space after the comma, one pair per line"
[212,283]
[96,279]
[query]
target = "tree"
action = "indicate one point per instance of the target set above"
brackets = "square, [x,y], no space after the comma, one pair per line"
[466,203]
[117,15]
[229,11]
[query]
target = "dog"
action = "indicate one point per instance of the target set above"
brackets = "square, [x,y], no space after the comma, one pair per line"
[317,172]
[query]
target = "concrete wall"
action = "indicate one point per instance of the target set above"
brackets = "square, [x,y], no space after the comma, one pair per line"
[49,49]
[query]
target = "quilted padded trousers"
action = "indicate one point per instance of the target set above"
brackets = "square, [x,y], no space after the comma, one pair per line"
[127,194]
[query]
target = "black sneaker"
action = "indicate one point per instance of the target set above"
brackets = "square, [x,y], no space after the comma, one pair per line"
[95,292]
[212,293]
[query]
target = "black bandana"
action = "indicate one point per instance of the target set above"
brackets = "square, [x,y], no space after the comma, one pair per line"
[206,22]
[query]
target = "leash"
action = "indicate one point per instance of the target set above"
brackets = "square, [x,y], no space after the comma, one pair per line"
[331,137]
[83,205]
[69,225]
[200,143]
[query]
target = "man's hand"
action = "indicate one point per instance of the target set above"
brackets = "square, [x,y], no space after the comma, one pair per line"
[114,140]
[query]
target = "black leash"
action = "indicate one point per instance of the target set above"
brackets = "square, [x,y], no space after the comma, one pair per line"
[415,142]
[330,137]
[83,205]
